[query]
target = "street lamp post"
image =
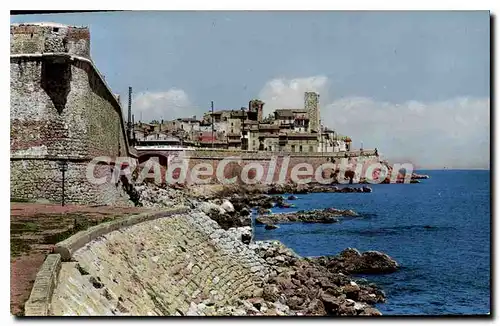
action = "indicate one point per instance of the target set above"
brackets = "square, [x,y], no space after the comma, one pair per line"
[63,167]
[213,129]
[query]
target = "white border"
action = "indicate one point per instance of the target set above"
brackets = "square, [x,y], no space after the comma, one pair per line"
[210,5]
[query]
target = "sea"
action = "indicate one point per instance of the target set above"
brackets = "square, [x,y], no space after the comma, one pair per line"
[445,269]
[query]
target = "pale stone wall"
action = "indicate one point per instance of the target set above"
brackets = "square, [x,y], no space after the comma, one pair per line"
[161,267]
[35,179]
[61,108]
[48,124]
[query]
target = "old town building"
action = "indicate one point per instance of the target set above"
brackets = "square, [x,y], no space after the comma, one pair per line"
[285,130]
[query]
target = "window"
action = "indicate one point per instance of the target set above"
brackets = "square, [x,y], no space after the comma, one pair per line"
[300,148]
[311,149]
[293,148]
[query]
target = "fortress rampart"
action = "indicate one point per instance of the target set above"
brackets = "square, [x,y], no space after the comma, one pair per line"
[61,109]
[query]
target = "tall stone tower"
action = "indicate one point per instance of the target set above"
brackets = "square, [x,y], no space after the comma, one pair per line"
[257,106]
[311,104]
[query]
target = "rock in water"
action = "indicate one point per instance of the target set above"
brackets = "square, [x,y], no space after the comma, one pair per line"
[351,261]
[301,286]
[292,197]
[376,262]
[271,227]
[261,210]
[329,215]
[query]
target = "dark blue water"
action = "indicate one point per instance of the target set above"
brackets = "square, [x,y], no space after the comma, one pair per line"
[445,270]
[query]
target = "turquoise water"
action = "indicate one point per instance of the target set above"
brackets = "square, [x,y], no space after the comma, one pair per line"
[445,269]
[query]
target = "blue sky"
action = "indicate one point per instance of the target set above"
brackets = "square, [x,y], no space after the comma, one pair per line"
[413,84]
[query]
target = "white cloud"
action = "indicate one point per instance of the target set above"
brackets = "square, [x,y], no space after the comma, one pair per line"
[282,93]
[452,133]
[170,104]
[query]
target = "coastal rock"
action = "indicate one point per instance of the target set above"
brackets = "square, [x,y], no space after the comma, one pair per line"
[329,215]
[151,195]
[370,311]
[261,211]
[244,234]
[229,220]
[308,288]
[351,261]
[279,201]
[227,206]
[292,197]
[419,176]
[375,262]
[207,207]
[264,195]
[271,227]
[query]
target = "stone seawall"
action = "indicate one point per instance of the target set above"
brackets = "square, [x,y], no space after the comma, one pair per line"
[169,266]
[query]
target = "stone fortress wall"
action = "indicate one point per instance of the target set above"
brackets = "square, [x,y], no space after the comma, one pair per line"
[61,109]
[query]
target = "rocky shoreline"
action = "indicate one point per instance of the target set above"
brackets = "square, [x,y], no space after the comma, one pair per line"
[298,286]
[317,286]
[280,189]
[328,215]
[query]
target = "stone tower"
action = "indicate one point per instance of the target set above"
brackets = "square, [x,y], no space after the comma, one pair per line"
[49,38]
[311,104]
[258,106]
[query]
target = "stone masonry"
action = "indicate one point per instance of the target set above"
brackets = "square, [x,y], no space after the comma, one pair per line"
[49,38]
[161,267]
[61,109]
[311,104]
